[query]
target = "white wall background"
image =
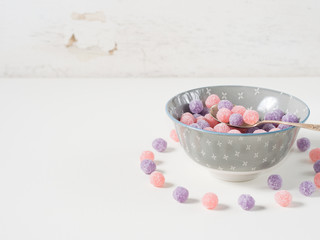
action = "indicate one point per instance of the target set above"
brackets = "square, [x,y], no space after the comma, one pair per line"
[159,38]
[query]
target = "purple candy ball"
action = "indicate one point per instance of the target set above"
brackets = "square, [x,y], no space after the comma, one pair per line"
[268,126]
[290,118]
[303,144]
[236,119]
[180,194]
[204,111]
[148,166]
[203,124]
[316,166]
[279,112]
[283,126]
[196,106]
[307,188]
[246,201]
[225,104]
[196,115]
[272,116]
[274,182]
[159,144]
[251,130]
[195,125]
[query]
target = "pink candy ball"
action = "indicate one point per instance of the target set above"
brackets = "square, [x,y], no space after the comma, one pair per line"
[234,131]
[238,109]
[210,200]
[187,118]
[174,136]
[314,154]
[208,129]
[259,131]
[274,129]
[250,117]
[157,179]
[223,115]
[222,128]
[200,118]
[317,179]
[146,155]
[212,100]
[210,120]
[283,198]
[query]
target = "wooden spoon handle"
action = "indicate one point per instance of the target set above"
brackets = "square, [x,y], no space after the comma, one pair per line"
[315,127]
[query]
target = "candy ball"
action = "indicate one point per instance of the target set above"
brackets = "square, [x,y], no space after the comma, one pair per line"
[283,126]
[210,120]
[174,135]
[180,194]
[223,115]
[307,188]
[317,179]
[204,111]
[148,166]
[316,166]
[196,115]
[290,118]
[259,131]
[200,118]
[279,112]
[283,198]
[195,125]
[274,129]
[210,200]
[314,154]
[272,116]
[213,99]
[208,129]
[246,201]
[236,119]
[238,109]
[222,128]
[146,155]
[203,124]
[196,106]
[251,117]
[251,130]
[225,104]
[268,126]
[159,144]
[187,118]
[303,144]
[157,179]
[234,131]
[275,182]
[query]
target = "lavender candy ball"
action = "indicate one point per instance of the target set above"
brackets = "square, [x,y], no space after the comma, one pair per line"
[180,194]
[307,188]
[203,124]
[195,125]
[246,201]
[279,112]
[236,119]
[268,126]
[148,166]
[251,130]
[303,144]
[196,106]
[316,166]
[159,144]
[204,111]
[274,182]
[283,126]
[290,118]
[196,115]
[225,104]
[272,116]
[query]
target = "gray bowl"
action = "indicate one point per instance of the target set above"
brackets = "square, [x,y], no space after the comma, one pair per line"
[237,157]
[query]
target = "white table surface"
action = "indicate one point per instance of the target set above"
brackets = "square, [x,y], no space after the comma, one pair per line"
[69,166]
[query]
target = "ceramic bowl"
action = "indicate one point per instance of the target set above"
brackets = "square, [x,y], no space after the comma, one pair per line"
[237,157]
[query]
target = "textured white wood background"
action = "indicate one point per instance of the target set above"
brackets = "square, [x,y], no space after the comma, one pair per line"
[159,38]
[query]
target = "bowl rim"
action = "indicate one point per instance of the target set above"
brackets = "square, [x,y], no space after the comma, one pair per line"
[235,134]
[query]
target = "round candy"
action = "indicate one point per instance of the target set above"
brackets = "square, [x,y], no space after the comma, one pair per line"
[195,125]
[251,130]
[307,188]
[275,182]
[283,126]
[146,155]
[210,200]
[159,144]
[274,129]
[234,131]
[212,100]
[290,118]
[259,131]
[222,128]
[225,104]
[303,144]
[174,136]
[203,124]
[196,106]
[204,111]
[157,179]
[236,119]
[208,117]
[200,118]
[180,194]
[246,201]
[187,118]
[251,117]
[279,112]
[196,115]
[316,166]
[223,115]
[272,116]
[148,166]
[238,109]
[314,154]
[283,198]
[268,126]
[317,180]
[208,129]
